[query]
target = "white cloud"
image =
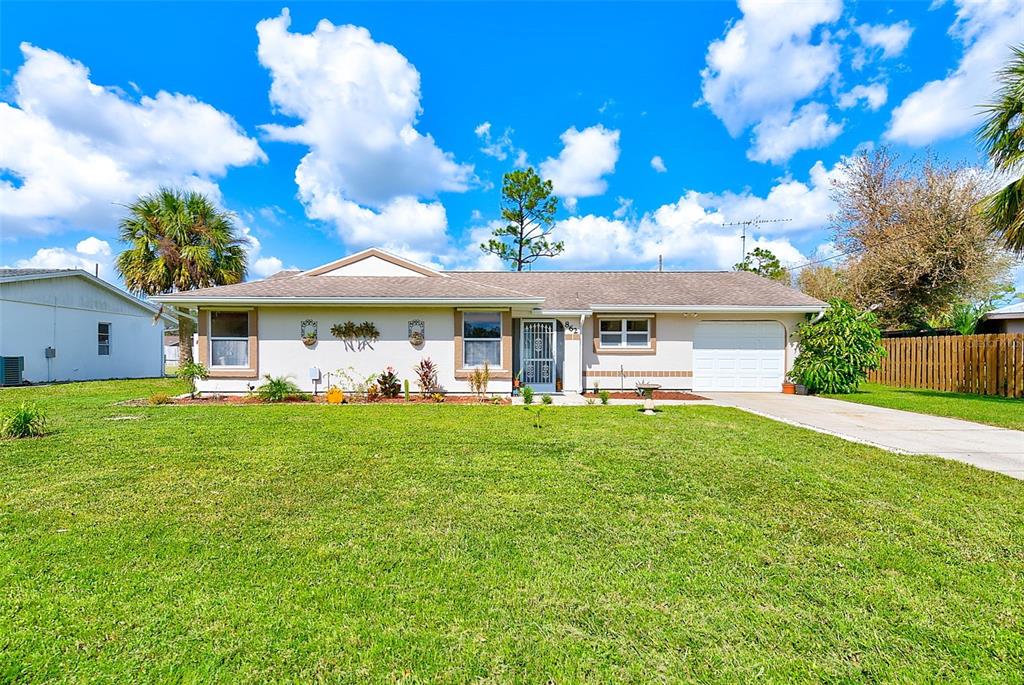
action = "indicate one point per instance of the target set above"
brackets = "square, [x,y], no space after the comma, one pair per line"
[87,255]
[501,147]
[891,38]
[658,164]
[358,102]
[767,62]
[948,107]
[690,233]
[93,246]
[586,157]
[266,266]
[779,136]
[77,149]
[624,208]
[874,96]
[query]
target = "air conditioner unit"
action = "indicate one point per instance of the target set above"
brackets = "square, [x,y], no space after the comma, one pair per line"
[11,370]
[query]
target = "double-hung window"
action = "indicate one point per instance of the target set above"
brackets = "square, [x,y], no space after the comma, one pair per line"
[627,333]
[229,339]
[481,339]
[103,338]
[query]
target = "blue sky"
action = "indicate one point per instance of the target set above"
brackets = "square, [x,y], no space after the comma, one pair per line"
[328,127]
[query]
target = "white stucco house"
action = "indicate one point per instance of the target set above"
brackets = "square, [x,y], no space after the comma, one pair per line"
[558,330]
[66,324]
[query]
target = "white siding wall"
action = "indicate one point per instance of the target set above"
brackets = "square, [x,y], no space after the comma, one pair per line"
[63,313]
[674,334]
[1015,325]
[281,352]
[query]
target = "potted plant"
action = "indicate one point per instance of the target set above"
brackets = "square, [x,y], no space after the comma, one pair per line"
[788,386]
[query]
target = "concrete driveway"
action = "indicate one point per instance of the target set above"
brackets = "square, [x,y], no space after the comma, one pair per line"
[987,447]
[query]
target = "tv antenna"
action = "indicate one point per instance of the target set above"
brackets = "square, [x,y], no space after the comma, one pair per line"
[752,223]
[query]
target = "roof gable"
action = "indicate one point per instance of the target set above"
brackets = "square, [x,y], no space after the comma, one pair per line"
[19,275]
[373,262]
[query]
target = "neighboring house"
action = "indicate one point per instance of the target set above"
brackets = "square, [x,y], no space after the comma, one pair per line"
[559,329]
[66,324]
[1008,319]
[172,350]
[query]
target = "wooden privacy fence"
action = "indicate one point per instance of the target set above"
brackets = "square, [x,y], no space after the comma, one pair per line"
[980,364]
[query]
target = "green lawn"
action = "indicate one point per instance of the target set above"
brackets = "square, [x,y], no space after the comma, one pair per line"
[996,411]
[440,543]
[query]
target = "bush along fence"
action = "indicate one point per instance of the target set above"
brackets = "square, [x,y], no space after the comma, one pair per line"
[980,364]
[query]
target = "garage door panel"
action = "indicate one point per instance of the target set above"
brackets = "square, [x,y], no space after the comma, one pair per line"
[739,356]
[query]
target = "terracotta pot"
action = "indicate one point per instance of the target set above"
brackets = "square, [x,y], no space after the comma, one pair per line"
[788,389]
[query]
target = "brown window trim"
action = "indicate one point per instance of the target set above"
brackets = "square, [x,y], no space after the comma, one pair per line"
[635,351]
[252,371]
[502,374]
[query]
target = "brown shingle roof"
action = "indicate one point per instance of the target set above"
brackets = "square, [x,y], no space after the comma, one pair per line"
[560,290]
[585,289]
[370,287]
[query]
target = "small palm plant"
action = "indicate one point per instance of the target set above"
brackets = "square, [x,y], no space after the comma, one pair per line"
[24,421]
[277,389]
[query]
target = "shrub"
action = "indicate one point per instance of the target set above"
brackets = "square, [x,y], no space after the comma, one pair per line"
[277,389]
[159,398]
[24,421]
[479,379]
[604,395]
[372,393]
[527,393]
[546,398]
[387,383]
[356,385]
[437,397]
[190,373]
[837,351]
[426,376]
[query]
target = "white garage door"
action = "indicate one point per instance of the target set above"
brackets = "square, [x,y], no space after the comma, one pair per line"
[739,356]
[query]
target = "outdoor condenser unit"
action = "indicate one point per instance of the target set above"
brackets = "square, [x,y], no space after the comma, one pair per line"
[11,370]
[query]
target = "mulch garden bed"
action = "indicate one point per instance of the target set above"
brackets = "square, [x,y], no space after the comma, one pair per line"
[319,399]
[658,395]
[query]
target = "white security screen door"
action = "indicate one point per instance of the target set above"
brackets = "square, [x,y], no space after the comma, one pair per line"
[537,354]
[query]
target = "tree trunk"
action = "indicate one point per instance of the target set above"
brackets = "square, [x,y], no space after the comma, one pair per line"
[184,338]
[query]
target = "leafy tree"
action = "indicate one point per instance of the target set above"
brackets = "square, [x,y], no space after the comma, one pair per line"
[1002,135]
[823,282]
[179,240]
[916,242]
[838,350]
[529,207]
[763,262]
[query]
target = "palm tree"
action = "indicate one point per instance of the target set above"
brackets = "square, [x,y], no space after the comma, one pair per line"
[179,240]
[1002,135]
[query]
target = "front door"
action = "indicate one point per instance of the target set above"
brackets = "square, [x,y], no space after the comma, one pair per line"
[537,353]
